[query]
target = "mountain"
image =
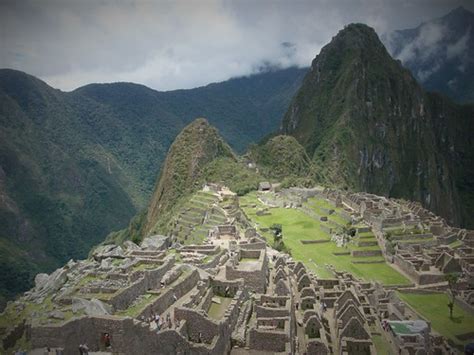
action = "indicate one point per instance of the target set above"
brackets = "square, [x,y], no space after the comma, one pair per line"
[198,156]
[369,126]
[76,165]
[283,158]
[195,147]
[440,53]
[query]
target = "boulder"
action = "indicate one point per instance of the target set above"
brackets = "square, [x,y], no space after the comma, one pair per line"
[172,275]
[108,251]
[46,284]
[56,314]
[155,242]
[130,246]
[106,264]
[40,280]
[94,307]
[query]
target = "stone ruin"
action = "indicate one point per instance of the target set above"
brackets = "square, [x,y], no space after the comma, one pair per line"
[242,297]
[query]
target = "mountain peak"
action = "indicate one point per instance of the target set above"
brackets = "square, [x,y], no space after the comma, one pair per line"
[459,11]
[353,41]
[198,144]
[357,35]
[367,124]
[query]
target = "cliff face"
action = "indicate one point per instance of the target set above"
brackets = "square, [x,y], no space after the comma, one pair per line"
[197,145]
[368,125]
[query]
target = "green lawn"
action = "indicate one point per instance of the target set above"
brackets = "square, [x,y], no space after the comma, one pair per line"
[434,307]
[381,345]
[298,226]
[217,310]
[456,244]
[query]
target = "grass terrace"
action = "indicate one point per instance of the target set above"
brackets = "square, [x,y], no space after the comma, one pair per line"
[381,345]
[136,308]
[196,217]
[434,308]
[217,309]
[456,244]
[140,266]
[298,226]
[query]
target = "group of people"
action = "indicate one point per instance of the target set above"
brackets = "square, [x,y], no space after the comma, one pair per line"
[83,349]
[156,320]
[385,325]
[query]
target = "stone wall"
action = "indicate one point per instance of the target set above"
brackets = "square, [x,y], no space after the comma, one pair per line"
[215,261]
[254,279]
[317,241]
[197,325]
[166,299]
[14,335]
[252,254]
[127,337]
[364,253]
[151,280]
[253,246]
[268,312]
[268,340]
[220,286]
[421,278]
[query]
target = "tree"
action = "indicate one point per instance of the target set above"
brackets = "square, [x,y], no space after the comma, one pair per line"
[277,236]
[452,279]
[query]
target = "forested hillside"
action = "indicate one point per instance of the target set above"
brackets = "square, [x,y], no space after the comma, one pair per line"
[76,165]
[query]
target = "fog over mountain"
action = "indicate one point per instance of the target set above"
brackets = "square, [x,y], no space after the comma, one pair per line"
[180,44]
[440,53]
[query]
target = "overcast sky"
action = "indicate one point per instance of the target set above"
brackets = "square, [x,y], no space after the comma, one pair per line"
[182,44]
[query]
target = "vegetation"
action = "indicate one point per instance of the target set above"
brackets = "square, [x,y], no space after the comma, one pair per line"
[452,285]
[195,147]
[75,166]
[298,226]
[343,117]
[283,158]
[431,305]
[234,174]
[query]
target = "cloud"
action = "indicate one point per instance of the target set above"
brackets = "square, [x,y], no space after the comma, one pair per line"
[425,44]
[459,48]
[181,44]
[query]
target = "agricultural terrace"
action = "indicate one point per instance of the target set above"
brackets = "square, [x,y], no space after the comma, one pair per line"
[299,226]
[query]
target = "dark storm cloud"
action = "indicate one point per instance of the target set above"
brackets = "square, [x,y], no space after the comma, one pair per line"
[182,44]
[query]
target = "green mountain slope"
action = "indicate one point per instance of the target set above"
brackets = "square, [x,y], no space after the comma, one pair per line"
[369,126]
[284,159]
[198,155]
[75,166]
[195,147]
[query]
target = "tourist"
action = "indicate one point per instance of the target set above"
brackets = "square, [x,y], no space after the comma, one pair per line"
[85,349]
[106,340]
[81,349]
[168,319]
[174,297]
